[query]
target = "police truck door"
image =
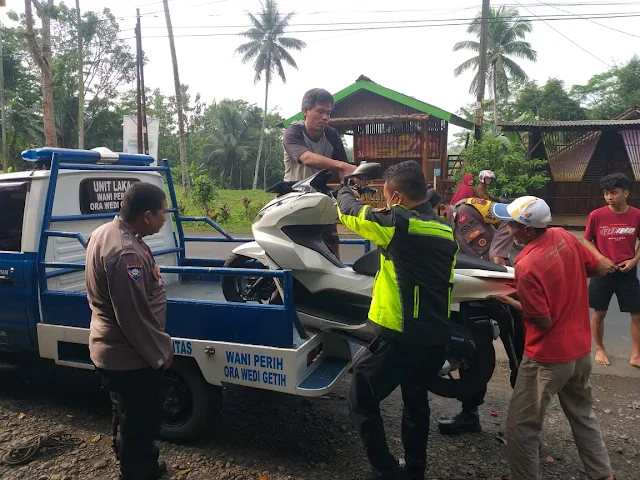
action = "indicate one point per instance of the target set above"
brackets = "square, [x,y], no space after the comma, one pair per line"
[14,324]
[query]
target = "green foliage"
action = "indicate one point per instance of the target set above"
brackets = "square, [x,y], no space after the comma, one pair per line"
[225,212]
[608,94]
[268,48]
[203,193]
[507,31]
[549,102]
[515,175]
[238,221]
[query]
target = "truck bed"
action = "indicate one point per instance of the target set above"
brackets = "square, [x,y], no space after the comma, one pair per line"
[196,290]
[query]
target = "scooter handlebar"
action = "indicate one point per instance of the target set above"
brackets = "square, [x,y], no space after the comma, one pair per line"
[361,190]
[367,190]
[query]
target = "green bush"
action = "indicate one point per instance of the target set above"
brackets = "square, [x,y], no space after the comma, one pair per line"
[203,193]
[515,175]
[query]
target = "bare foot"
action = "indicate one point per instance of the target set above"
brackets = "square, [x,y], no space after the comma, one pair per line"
[635,362]
[601,357]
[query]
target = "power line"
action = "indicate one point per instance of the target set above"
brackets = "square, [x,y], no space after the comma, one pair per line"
[147,14]
[402,24]
[573,4]
[576,44]
[213,2]
[474,7]
[570,16]
[590,20]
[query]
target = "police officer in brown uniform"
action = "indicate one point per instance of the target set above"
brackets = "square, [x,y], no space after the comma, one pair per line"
[479,234]
[127,341]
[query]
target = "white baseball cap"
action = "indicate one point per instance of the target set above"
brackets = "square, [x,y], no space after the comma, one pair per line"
[530,211]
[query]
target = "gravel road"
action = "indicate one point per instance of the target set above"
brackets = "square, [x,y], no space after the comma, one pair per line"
[269,436]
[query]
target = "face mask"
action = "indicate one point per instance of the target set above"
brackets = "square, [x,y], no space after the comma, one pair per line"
[390,203]
[518,244]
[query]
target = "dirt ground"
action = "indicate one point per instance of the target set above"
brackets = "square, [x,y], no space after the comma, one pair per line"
[273,436]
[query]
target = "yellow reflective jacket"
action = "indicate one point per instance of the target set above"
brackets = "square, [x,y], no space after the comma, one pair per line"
[412,291]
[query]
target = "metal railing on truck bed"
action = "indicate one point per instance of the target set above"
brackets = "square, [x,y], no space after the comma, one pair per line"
[253,324]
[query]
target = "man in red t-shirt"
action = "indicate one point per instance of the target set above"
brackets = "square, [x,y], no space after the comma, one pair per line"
[551,281]
[611,235]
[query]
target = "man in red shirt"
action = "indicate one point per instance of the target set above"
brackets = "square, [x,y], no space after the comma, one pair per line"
[611,235]
[551,281]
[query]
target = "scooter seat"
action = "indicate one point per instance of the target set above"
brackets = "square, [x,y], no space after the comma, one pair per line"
[464,261]
[368,264]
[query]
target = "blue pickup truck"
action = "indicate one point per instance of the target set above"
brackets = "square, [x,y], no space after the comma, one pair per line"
[46,216]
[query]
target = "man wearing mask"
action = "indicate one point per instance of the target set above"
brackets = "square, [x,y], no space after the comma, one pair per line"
[551,281]
[409,313]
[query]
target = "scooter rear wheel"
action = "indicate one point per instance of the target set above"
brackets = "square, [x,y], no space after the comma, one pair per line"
[475,377]
[241,288]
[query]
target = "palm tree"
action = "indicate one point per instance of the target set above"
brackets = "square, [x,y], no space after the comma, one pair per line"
[505,39]
[228,144]
[269,47]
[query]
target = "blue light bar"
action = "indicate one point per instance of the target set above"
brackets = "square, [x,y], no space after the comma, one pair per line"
[71,155]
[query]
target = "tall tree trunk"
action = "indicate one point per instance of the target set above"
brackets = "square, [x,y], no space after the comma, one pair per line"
[495,101]
[6,164]
[43,57]
[186,181]
[264,168]
[80,80]
[264,122]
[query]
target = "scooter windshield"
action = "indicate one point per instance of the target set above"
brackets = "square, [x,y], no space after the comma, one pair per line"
[315,183]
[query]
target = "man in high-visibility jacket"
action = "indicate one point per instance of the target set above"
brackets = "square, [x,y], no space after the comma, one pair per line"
[409,311]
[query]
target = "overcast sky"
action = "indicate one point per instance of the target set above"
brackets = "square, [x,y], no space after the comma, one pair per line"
[417,61]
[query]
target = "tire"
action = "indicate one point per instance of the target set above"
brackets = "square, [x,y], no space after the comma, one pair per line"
[232,285]
[191,405]
[476,376]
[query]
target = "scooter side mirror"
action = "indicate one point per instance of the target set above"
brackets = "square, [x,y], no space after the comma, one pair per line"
[365,171]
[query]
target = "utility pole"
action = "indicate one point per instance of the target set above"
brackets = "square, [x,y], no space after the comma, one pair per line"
[138,91]
[80,80]
[5,156]
[143,96]
[482,69]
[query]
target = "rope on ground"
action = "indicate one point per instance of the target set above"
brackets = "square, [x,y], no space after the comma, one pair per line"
[22,452]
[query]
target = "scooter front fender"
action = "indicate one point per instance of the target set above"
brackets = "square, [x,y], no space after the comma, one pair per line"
[252,250]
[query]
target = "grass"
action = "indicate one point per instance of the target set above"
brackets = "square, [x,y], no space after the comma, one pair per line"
[240,218]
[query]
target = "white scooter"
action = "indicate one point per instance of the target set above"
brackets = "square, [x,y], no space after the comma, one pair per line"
[332,297]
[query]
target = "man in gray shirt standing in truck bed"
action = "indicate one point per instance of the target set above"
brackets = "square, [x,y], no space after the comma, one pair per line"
[312,145]
[127,341]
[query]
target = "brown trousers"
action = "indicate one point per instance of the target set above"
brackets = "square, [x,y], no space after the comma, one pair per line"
[536,384]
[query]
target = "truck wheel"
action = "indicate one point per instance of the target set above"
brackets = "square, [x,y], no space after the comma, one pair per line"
[191,405]
[476,376]
[247,289]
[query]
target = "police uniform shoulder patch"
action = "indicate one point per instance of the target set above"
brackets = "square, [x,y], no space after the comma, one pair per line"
[134,270]
[462,218]
[482,242]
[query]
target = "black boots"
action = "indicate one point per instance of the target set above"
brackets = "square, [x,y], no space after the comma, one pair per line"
[403,473]
[465,421]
